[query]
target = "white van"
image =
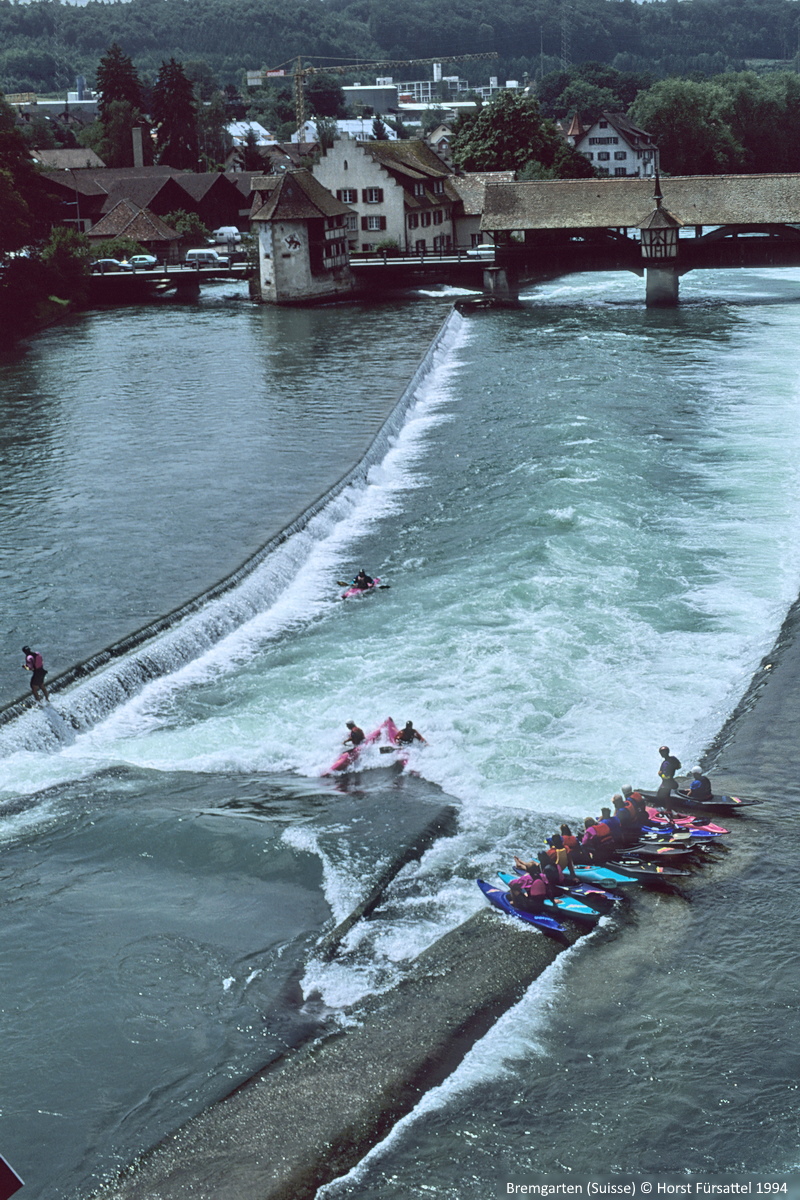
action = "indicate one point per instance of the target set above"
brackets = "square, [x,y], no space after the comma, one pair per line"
[226,233]
[205,258]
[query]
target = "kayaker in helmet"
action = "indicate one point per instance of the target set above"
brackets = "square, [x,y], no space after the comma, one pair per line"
[669,765]
[363,581]
[700,787]
[355,737]
[409,734]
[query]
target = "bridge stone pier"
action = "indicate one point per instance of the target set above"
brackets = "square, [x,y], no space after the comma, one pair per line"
[548,228]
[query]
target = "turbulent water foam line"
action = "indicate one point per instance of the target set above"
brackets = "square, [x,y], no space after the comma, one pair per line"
[116,674]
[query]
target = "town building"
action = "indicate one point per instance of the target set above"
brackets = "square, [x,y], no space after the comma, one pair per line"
[401,193]
[471,190]
[615,146]
[302,239]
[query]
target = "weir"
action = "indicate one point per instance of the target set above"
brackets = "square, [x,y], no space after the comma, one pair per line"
[117,674]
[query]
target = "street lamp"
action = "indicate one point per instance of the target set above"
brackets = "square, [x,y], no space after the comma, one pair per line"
[659,231]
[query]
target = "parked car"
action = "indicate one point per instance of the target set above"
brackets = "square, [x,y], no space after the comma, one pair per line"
[110,264]
[143,260]
[205,258]
[483,250]
[226,233]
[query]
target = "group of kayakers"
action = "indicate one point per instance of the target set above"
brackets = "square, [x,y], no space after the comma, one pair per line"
[602,839]
[404,736]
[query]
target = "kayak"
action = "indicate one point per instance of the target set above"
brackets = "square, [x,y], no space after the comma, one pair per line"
[564,906]
[686,822]
[682,833]
[354,591]
[348,758]
[647,871]
[603,875]
[717,804]
[497,897]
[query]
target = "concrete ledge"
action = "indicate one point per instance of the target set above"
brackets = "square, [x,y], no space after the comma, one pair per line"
[315,1113]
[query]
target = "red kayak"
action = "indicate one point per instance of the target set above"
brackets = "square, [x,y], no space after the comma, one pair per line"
[387,729]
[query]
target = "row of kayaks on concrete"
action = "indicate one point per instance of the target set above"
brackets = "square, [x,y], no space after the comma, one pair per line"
[669,847]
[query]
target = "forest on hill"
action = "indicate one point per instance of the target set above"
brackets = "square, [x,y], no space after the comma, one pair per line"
[44,44]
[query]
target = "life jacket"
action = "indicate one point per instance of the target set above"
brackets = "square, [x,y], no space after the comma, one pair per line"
[37,661]
[632,809]
[570,841]
[599,835]
[700,789]
[559,855]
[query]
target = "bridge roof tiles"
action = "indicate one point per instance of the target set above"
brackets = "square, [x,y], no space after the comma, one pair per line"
[616,203]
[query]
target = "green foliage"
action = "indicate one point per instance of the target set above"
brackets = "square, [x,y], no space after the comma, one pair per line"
[690,123]
[213,138]
[26,206]
[379,130]
[508,134]
[326,131]
[188,225]
[118,82]
[174,112]
[118,247]
[248,155]
[324,96]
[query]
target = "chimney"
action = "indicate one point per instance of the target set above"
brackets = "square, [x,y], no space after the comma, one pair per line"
[138,152]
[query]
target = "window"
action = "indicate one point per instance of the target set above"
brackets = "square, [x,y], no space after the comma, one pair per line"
[372,195]
[620,171]
[366,247]
[373,223]
[603,170]
[421,246]
[347,195]
[620,155]
[413,220]
[604,155]
[603,124]
[352,222]
[605,141]
[438,186]
[438,216]
[589,155]
[425,218]
[419,189]
[439,243]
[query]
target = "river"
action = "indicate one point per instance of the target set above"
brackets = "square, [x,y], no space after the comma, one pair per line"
[588,515]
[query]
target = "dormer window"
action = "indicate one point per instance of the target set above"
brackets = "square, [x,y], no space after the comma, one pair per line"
[438,186]
[419,189]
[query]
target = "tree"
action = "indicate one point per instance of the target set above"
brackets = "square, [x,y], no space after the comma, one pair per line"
[327,130]
[187,224]
[379,131]
[25,203]
[324,96]
[248,155]
[117,80]
[508,134]
[175,115]
[690,124]
[213,137]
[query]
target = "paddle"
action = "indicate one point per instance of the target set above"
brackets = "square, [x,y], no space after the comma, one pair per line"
[376,587]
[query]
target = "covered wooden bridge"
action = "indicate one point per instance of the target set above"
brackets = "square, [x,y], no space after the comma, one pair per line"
[683,223]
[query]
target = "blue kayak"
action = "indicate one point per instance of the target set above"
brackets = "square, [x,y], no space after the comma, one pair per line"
[564,906]
[497,897]
[602,875]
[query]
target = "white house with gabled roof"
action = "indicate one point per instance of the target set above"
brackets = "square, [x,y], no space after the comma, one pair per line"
[615,146]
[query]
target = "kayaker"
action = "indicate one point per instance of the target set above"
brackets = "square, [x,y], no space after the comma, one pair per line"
[409,734]
[363,581]
[35,664]
[635,803]
[666,773]
[578,853]
[629,817]
[597,839]
[560,855]
[700,787]
[613,822]
[355,737]
[528,893]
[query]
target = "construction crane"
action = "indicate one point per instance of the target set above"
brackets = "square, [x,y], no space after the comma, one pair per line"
[302,73]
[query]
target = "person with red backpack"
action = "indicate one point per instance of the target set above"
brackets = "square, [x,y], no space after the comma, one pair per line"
[35,664]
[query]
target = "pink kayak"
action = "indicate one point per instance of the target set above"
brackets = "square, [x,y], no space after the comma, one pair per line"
[685,822]
[354,591]
[348,758]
